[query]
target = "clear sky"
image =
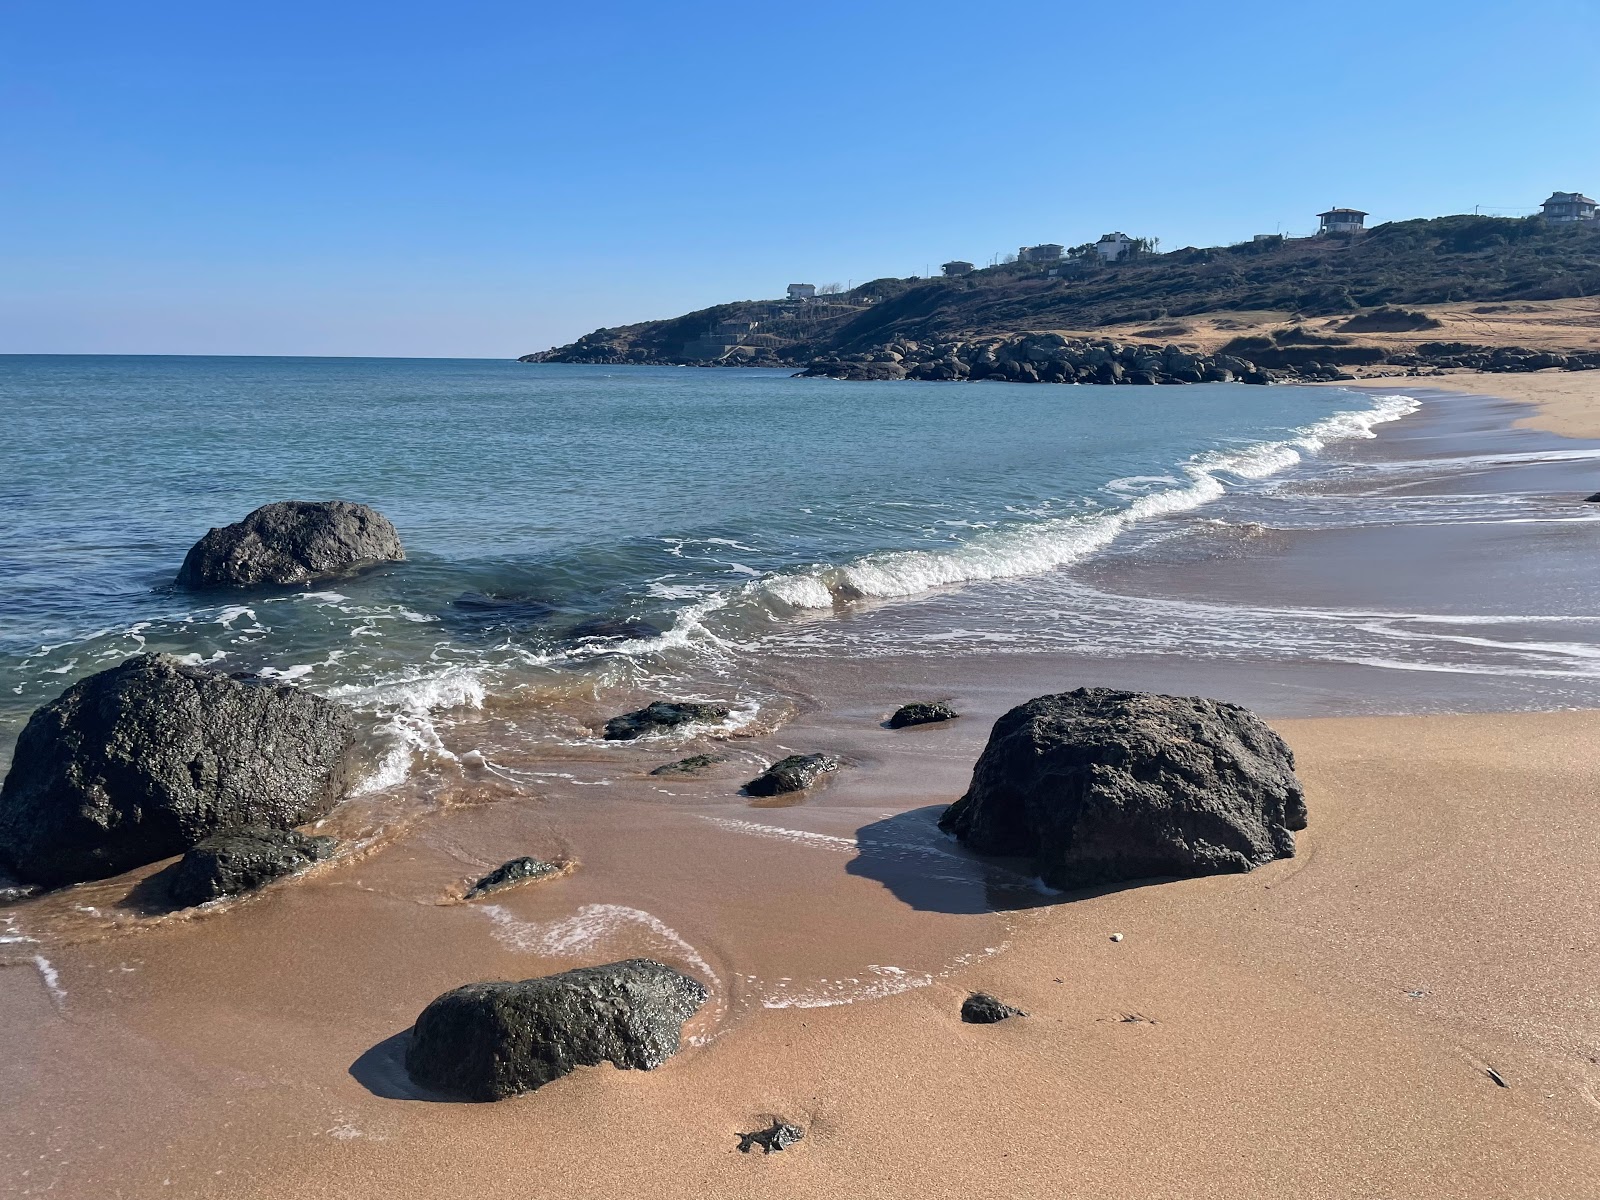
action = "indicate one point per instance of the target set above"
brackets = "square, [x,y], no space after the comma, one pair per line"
[481,178]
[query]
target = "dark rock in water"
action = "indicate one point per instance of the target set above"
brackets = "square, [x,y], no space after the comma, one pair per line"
[240,860]
[779,1136]
[921,714]
[1594,499]
[662,715]
[792,774]
[487,1041]
[494,612]
[146,759]
[1099,786]
[608,627]
[692,765]
[295,541]
[980,1008]
[518,870]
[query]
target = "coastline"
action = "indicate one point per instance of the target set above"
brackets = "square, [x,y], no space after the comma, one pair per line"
[1568,402]
[1278,1049]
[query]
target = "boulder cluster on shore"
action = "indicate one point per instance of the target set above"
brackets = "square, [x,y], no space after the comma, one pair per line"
[1056,358]
[155,758]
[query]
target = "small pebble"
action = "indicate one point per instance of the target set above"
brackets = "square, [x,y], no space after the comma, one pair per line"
[473,758]
[1116,937]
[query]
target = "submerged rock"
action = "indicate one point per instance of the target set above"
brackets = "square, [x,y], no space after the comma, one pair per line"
[980,1008]
[1099,786]
[662,715]
[921,714]
[612,629]
[240,860]
[492,613]
[780,1135]
[487,1041]
[692,765]
[509,874]
[792,774]
[146,759]
[294,541]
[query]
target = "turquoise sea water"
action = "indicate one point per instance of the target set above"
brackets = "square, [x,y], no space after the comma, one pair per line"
[712,508]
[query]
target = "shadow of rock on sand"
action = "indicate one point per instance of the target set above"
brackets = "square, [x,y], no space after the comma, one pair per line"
[382,1071]
[911,856]
[924,867]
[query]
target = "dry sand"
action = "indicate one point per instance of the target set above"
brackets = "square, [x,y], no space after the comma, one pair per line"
[1568,402]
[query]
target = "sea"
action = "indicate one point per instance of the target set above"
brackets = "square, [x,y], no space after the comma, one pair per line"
[578,533]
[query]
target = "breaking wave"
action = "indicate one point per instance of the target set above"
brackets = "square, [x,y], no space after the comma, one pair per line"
[1050,544]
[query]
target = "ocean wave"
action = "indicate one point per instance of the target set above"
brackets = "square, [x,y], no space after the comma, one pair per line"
[407,708]
[1057,542]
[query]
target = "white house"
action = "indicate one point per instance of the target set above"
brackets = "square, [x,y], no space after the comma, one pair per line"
[802,291]
[1113,246]
[1568,206]
[1346,221]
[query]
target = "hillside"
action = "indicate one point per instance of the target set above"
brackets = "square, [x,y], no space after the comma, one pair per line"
[1445,262]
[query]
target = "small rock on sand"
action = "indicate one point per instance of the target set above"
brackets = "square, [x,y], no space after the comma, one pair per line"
[921,714]
[980,1008]
[509,874]
[662,715]
[792,774]
[779,1136]
[692,765]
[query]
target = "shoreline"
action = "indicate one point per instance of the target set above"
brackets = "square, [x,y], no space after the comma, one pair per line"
[1253,1034]
[1567,403]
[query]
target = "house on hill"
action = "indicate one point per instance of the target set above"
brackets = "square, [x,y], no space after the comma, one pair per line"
[802,291]
[1113,246]
[1345,222]
[1568,206]
[1047,252]
[957,267]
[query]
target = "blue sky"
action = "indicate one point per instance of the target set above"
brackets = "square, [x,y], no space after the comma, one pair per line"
[484,178]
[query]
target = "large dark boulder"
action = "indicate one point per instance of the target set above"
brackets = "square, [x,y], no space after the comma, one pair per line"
[792,774]
[241,860]
[144,760]
[662,716]
[295,541]
[1099,786]
[487,1041]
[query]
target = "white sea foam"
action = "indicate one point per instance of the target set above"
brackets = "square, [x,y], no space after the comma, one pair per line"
[587,932]
[51,978]
[799,837]
[880,981]
[408,707]
[1058,541]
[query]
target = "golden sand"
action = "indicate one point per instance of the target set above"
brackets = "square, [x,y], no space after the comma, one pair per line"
[1322,1027]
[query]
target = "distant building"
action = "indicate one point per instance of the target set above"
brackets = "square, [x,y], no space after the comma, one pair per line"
[1048,252]
[957,267]
[718,340]
[802,291]
[1266,237]
[1113,246]
[1346,221]
[1568,206]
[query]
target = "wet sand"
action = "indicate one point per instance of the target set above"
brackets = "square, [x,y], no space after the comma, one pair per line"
[1322,1027]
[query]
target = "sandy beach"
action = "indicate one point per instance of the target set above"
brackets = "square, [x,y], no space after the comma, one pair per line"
[1406,1008]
